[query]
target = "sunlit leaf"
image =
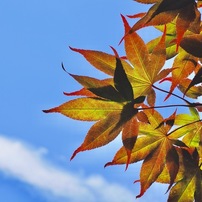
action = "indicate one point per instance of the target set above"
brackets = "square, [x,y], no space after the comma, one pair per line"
[196,80]
[87,109]
[101,133]
[184,64]
[146,66]
[153,165]
[102,61]
[163,12]
[170,147]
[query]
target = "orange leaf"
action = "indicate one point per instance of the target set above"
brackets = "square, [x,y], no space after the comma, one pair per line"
[184,19]
[101,133]
[142,117]
[184,64]
[102,61]
[129,136]
[143,146]
[146,66]
[151,98]
[165,11]
[153,165]
[82,92]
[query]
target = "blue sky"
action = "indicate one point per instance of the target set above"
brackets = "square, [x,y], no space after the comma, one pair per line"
[36,147]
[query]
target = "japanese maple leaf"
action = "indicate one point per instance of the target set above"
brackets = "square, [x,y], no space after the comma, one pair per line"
[189,42]
[163,12]
[183,65]
[147,67]
[190,187]
[112,106]
[155,147]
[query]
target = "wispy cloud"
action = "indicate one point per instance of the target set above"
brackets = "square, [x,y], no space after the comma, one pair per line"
[28,165]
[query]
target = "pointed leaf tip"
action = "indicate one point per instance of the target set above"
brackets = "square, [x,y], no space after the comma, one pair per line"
[127,28]
[63,67]
[121,81]
[128,158]
[76,152]
[45,111]
[136,181]
[108,164]
[71,48]
[115,52]
[49,110]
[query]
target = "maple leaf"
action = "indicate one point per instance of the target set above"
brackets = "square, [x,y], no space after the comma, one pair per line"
[170,45]
[112,107]
[188,42]
[170,148]
[183,65]
[87,109]
[189,188]
[147,67]
[163,12]
[155,148]
[103,61]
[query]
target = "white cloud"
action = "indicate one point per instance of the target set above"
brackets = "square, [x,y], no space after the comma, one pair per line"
[28,165]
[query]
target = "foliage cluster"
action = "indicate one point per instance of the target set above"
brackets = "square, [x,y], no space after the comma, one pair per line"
[125,103]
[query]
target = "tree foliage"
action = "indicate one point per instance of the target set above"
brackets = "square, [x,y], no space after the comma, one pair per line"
[125,103]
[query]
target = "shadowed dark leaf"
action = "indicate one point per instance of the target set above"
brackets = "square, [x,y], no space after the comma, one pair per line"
[121,82]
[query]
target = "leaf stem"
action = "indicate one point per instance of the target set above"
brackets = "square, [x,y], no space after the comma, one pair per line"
[165,106]
[165,91]
[172,105]
[184,126]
